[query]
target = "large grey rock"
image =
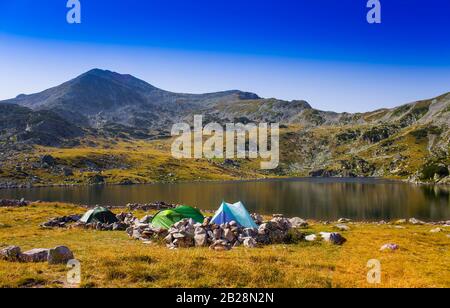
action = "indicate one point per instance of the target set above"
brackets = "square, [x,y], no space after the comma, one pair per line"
[258,219]
[333,238]
[59,255]
[201,240]
[437,230]
[337,239]
[228,235]
[10,253]
[297,222]
[311,238]
[250,242]
[416,222]
[217,233]
[35,255]
[146,219]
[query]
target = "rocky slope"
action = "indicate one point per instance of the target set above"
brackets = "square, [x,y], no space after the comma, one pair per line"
[410,142]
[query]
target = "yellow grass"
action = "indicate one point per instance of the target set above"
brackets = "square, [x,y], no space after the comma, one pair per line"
[111,259]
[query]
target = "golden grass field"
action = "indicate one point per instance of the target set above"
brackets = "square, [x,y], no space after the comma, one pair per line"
[111,259]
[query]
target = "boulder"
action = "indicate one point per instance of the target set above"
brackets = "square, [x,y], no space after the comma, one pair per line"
[201,240]
[297,222]
[337,239]
[344,220]
[258,219]
[250,242]
[220,245]
[146,219]
[35,255]
[416,222]
[311,238]
[48,160]
[437,230]
[10,253]
[59,255]
[401,222]
[333,238]
[228,235]
[217,233]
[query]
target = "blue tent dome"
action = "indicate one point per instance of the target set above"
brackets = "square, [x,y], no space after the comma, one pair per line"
[237,212]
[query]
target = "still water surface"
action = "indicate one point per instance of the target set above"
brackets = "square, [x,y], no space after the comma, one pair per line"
[361,199]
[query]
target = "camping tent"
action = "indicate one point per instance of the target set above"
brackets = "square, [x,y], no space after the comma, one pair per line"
[99,214]
[237,212]
[166,219]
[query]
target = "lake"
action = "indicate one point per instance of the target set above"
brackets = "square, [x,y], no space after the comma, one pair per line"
[325,199]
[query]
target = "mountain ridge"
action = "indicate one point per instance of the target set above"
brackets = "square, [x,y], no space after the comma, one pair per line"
[103,108]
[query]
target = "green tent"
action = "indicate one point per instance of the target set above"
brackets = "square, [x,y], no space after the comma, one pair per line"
[166,219]
[99,214]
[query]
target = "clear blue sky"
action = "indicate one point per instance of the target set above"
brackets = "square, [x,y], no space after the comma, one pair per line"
[323,51]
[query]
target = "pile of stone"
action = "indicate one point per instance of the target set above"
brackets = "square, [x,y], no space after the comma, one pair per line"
[188,233]
[158,206]
[57,255]
[125,220]
[14,203]
[61,222]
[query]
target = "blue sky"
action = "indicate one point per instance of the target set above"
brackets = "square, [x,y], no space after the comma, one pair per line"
[323,51]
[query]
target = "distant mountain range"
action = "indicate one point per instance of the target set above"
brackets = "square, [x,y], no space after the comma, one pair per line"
[108,104]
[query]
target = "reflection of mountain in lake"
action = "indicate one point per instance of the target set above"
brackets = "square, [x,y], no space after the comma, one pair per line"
[310,198]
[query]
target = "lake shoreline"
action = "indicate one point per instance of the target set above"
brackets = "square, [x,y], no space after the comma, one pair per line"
[330,179]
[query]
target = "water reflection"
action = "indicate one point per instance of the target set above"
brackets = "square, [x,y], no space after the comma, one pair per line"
[362,199]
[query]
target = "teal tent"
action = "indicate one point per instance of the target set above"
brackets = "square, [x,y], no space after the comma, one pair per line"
[237,212]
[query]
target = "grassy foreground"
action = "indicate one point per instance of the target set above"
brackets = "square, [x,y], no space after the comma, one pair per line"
[111,259]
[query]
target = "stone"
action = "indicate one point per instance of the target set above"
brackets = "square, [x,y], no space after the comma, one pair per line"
[168,238]
[415,221]
[437,230]
[400,222]
[311,238]
[217,233]
[201,240]
[337,239]
[389,247]
[325,236]
[10,253]
[297,222]
[146,219]
[48,160]
[228,235]
[35,255]
[258,219]
[344,220]
[342,227]
[250,242]
[178,235]
[67,171]
[233,223]
[200,230]
[59,255]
